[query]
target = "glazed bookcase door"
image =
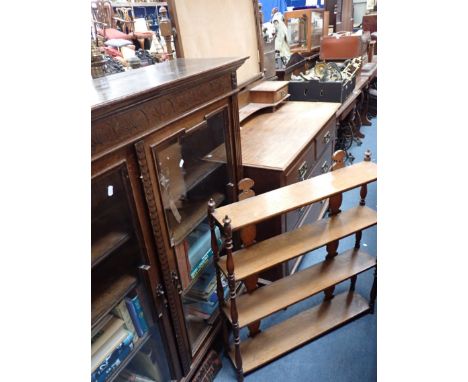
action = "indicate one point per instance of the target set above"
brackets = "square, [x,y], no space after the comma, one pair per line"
[119,272]
[191,166]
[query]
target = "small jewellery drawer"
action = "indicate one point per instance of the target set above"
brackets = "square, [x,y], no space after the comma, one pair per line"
[269,92]
[325,137]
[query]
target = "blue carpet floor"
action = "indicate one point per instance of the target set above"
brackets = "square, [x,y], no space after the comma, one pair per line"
[349,353]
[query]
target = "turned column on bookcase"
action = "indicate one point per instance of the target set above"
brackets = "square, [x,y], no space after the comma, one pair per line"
[219,286]
[334,209]
[232,296]
[247,236]
[362,202]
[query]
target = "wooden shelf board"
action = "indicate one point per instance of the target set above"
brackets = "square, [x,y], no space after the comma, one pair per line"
[288,198]
[109,295]
[253,107]
[292,289]
[106,245]
[197,173]
[192,215]
[267,253]
[139,344]
[300,329]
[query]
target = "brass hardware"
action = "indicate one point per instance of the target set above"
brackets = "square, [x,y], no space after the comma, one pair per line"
[325,167]
[302,170]
[175,280]
[327,137]
[160,294]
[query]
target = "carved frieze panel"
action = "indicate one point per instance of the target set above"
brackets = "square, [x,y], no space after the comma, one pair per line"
[153,114]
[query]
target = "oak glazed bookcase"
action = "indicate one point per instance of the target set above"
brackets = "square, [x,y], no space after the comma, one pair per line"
[245,264]
[152,131]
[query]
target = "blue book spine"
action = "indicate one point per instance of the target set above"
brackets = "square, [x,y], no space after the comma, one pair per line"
[113,360]
[139,314]
[134,317]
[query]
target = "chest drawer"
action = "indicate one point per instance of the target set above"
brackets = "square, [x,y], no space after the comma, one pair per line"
[269,92]
[301,170]
[321,166]
[325,137]
[302,167]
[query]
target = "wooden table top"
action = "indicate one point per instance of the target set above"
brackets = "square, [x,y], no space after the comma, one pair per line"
[273,140]
[157,78]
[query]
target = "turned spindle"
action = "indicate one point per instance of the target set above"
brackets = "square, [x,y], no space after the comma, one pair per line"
[352,286]
[232,296]
[334,204]
[336,200]
[363,193]
[373,293]
[165,28]
[219,285]
[247,236]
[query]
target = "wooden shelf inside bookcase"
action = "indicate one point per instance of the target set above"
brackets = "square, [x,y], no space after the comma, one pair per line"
[300,194]
[107,244]
[192,215]
[299,329]
[107,296]
[292,289]
[197,173]
[139,344]
[267,253]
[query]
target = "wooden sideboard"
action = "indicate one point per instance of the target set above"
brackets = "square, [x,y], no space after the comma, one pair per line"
[293,143]
[152,130]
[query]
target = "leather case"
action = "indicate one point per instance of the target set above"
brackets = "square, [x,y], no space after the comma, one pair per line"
[341,48]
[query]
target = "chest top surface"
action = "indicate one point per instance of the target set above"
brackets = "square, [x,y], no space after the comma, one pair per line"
[157,78]
[273,140]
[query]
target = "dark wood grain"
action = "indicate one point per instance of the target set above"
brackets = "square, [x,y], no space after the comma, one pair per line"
[107,244]
[109,294]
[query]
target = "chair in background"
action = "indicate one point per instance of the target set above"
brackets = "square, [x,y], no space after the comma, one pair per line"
[105,23]
[135,27]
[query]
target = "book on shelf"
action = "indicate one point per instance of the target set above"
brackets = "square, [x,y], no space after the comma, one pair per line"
[102,373]
[202,300]
[102,322]
[105,333]
[199,247]
[111,351]
[195,252]
[130,376]
[136,313]
[121,311]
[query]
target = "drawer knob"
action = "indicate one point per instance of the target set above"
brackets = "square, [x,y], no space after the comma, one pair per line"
[302,170]
[327,137]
